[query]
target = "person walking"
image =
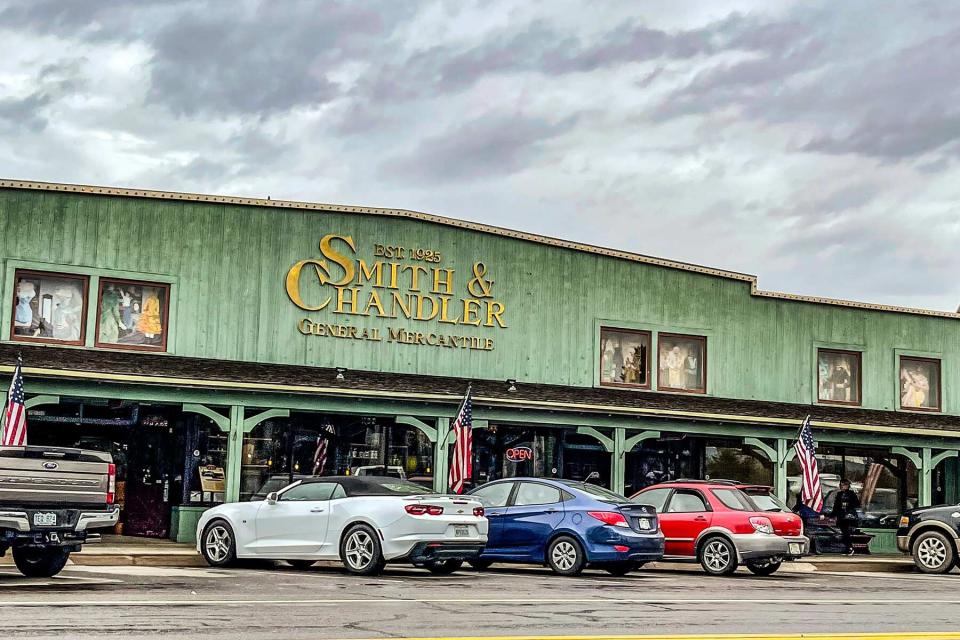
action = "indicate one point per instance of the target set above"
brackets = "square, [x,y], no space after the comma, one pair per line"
[845,507]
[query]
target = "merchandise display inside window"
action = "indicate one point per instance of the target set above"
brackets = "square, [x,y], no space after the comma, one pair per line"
[206,454]
[625,358]
[132,315]
[510,451]
[885,483]
[278,452]
[919,384]
[49,307]
[838,377]
[682,363]
[730,460]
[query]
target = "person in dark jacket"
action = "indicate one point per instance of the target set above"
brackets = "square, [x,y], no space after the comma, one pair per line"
[845,507]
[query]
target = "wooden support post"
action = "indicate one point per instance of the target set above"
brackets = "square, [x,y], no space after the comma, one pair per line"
[441,457]
[234,454]
[618,461]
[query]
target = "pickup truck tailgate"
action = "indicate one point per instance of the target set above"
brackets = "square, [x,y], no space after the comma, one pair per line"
[53,476]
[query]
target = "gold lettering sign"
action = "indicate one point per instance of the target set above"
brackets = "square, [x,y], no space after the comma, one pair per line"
[399,283]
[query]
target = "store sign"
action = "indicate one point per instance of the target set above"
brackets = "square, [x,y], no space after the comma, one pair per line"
[519,454]
[395,283]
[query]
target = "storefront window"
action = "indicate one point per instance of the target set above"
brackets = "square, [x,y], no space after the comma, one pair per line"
[278,452]
[730,460]
[661,460]
[49,307]
[206,449]
[132,315]
[886,484]
[919,384]
[625,358]
[683,363]
[510,451]
[838,376]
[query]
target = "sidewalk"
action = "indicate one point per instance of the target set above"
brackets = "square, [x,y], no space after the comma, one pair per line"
[128,550]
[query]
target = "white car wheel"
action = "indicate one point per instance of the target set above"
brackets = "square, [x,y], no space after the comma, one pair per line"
[218,546]
[360,551]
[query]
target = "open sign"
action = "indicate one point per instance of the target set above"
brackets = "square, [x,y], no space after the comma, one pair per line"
[519,454]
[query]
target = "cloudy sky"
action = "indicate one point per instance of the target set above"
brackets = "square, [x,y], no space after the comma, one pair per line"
[815,144]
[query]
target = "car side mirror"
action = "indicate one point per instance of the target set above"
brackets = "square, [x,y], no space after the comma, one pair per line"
[272,497]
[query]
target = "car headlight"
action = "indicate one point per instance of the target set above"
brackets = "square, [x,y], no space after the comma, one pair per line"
[761,525]
[904,521]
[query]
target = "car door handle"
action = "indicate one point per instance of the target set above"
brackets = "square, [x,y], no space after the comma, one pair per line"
[493,515]
[552,511]
[317,510]
[700,519]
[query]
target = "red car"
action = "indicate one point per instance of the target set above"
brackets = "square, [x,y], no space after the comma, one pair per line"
[719,526]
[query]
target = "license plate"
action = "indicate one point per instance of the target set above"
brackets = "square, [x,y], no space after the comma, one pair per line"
[796,548]
[45,519]
[461,531]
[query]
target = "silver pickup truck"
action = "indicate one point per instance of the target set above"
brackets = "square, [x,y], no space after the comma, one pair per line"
[50,497]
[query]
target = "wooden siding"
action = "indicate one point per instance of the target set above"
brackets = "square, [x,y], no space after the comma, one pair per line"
[229,262]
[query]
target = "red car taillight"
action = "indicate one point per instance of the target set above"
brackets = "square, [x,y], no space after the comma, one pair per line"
[761,524]
[111,483]
[478,511]
[424,509]
[609,517]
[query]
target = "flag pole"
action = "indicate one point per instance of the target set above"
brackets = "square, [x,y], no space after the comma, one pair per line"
[6,398]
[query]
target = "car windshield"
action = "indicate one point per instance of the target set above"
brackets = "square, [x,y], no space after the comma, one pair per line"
[601,494]
[767,502]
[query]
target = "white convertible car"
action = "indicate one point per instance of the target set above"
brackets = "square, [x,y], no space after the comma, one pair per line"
[363,521]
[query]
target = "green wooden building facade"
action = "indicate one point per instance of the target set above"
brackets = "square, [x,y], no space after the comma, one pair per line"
[222,345]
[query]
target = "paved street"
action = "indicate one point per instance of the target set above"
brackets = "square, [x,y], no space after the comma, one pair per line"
[323,602]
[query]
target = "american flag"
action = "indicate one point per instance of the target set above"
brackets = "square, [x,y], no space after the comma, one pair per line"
[811,493]
[320,455]
[15,425]
[461,467]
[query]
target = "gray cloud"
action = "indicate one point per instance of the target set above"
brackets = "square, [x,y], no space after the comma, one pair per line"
[813,143]
[494,145]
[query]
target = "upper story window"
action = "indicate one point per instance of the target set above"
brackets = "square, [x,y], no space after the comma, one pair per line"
[919,384]
[625,358]
[49,307]
[132,315]
[683,363]
[838,377]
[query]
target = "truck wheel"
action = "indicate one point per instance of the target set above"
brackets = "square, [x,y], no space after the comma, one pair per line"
[39,562]
[933,553]
[218,545]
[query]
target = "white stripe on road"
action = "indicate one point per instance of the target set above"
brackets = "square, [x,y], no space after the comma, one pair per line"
[505,601]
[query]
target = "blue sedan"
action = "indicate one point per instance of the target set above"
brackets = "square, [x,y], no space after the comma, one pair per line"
[566,525]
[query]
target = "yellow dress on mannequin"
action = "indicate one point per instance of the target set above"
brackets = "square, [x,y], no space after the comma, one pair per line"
[149,322]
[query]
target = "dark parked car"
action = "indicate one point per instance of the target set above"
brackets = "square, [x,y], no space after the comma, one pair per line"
[932,536]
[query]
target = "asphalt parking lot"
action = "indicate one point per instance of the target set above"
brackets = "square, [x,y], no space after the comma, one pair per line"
[324,602]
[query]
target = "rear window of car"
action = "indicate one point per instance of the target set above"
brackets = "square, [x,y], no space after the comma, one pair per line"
[600,493]
[654,497]
[734,499]
[405,488]
[767,502]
